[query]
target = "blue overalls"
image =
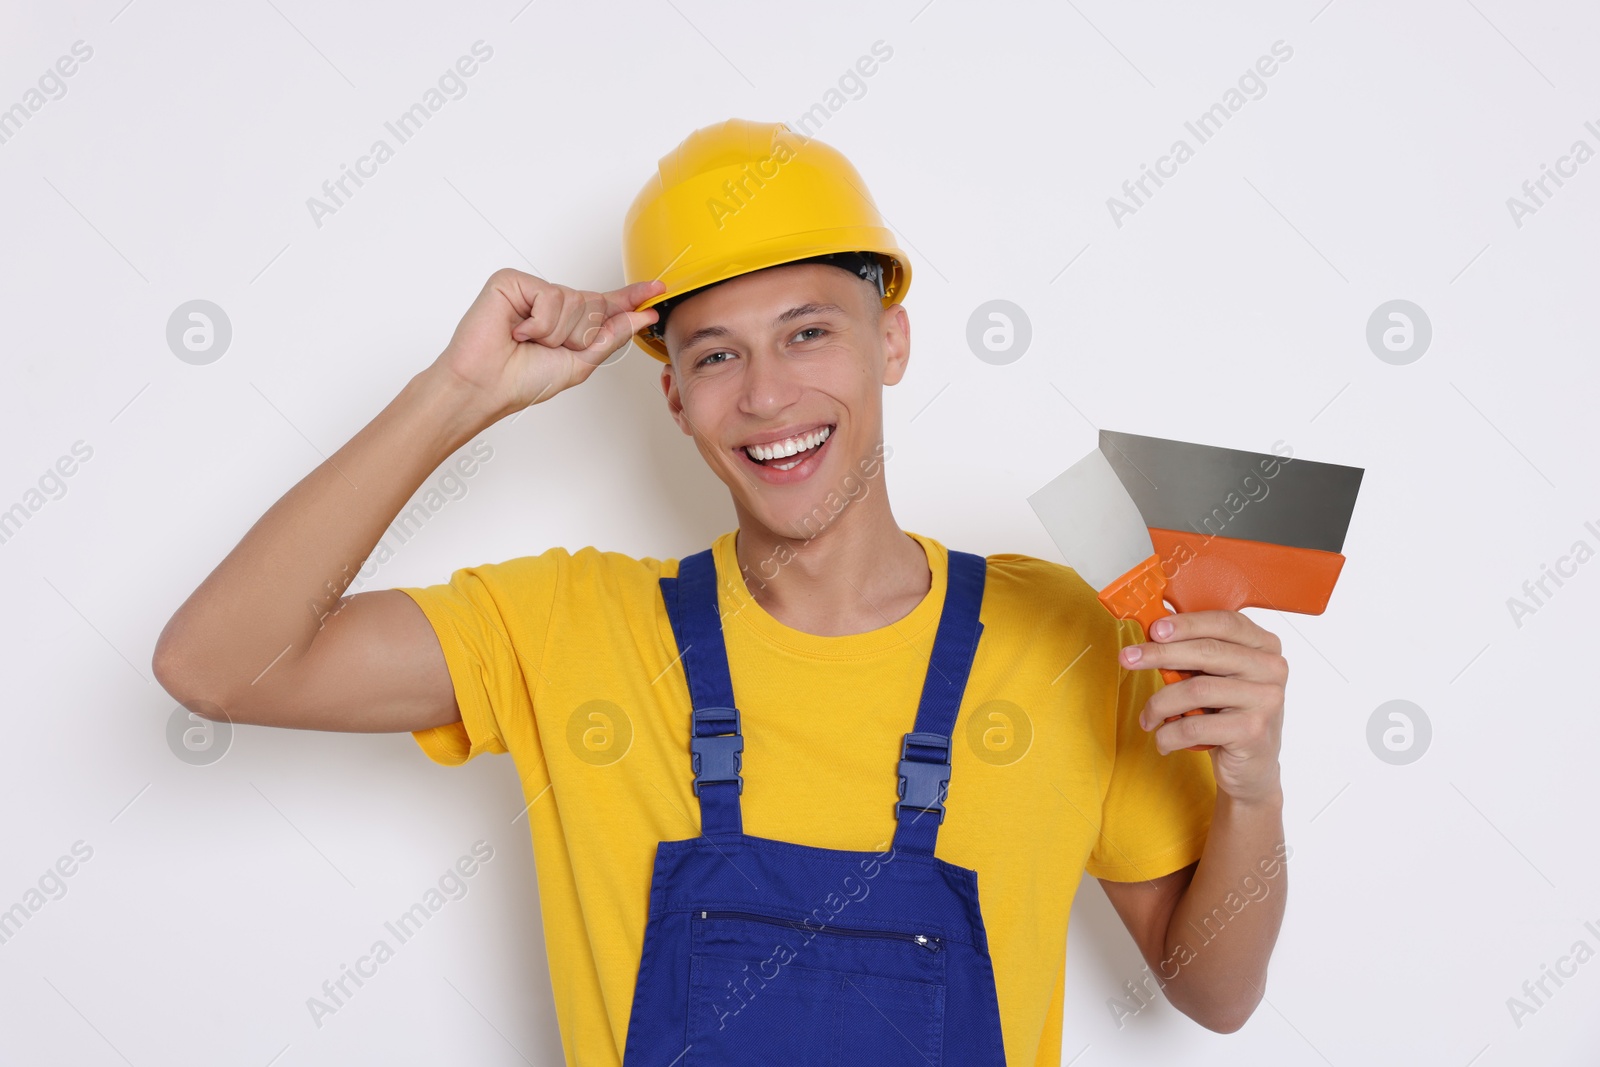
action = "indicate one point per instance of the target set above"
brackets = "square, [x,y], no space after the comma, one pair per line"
[760,951]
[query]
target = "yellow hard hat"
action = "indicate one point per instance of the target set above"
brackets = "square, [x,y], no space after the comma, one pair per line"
[741,196]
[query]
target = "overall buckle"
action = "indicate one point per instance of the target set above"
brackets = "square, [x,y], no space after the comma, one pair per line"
[924,781]
[716,755]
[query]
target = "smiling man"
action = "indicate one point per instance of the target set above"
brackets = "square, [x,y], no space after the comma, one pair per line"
[824,791]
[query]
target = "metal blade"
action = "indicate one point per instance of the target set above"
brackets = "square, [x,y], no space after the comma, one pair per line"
[1225,492]
[1093,521]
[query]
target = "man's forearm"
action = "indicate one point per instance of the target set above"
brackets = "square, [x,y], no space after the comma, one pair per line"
[1226,923]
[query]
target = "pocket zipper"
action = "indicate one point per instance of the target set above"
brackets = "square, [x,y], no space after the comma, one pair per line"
[923,940]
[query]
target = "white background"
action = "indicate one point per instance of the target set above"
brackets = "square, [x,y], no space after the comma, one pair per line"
[1230,309]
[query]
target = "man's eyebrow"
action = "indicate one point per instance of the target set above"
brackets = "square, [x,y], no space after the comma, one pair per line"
[707,332]
[807,309]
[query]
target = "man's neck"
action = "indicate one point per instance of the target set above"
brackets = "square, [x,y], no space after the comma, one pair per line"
[860,573]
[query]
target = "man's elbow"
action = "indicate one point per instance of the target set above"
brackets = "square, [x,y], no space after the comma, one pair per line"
[1230,1017]
[1228,1024]
[172,674]
[166,664]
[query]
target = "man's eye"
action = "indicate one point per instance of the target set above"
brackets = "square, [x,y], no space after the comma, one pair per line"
[707,360]
[811,329]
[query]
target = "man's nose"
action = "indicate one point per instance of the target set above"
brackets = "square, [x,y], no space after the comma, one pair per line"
[769,383]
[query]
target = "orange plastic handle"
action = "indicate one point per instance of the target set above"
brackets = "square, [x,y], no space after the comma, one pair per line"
[1213,573]
[1139,595]
[1203,572]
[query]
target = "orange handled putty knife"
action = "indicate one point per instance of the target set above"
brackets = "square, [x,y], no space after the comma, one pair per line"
[1146,520]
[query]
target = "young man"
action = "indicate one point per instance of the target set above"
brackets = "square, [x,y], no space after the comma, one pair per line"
[822,793]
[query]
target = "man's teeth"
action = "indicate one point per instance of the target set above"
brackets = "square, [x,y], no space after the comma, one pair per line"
[784,449]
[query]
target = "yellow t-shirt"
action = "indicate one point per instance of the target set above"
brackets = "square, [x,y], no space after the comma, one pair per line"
[567,661]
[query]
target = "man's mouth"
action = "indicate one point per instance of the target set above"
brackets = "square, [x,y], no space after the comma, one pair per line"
[790,452]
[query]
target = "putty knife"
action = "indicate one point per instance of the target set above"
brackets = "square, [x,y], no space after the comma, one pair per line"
[1146,520]
[1238,529]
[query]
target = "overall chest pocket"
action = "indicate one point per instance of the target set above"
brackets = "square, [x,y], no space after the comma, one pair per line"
[768,990]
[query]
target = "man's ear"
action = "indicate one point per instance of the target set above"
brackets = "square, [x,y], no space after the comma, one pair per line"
[895,326]
[669,386]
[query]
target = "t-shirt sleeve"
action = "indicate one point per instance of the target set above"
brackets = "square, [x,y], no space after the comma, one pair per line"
[1158,808]
[492,622]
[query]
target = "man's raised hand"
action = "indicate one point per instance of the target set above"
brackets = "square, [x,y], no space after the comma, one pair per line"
[524,339]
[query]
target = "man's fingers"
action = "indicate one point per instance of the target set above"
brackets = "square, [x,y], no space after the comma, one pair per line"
[1233,626]
[1210,729]
[615,332]
[1201,691]
[543,315]
[578,311]
[559,316]
[1245,731]
[556,318]
[631,296]
[1208,655]
[519,290]
[1215,642]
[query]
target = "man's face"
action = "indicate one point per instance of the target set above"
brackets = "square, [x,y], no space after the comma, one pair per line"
[786,356]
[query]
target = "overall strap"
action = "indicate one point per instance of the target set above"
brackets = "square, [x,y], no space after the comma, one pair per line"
[925,752]
[715,741]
